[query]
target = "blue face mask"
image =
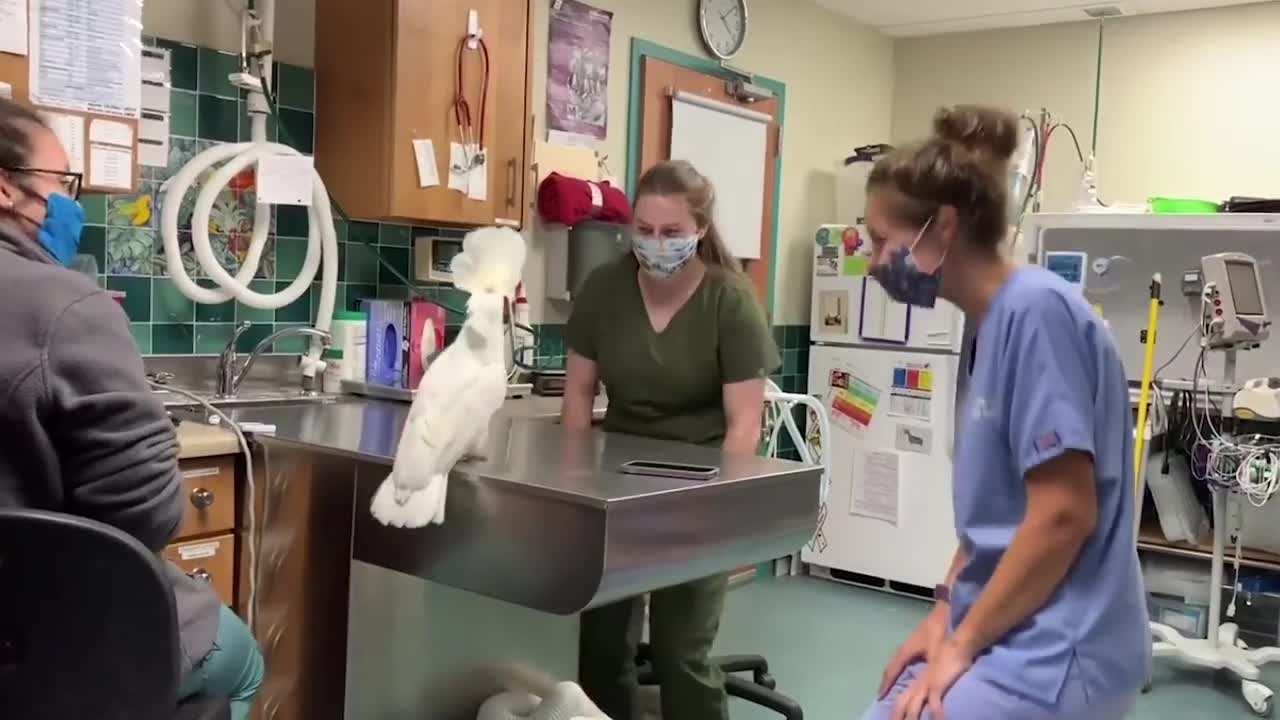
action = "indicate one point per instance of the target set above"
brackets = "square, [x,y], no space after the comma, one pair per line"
[60,232]
[904,281]
[664,257]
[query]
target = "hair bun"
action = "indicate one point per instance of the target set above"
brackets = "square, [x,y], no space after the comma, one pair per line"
[985,130]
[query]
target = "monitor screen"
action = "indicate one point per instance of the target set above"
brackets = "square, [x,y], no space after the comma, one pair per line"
[1244,288]
[1068,266]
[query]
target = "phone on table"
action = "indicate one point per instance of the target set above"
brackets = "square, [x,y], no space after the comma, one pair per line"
[683,471]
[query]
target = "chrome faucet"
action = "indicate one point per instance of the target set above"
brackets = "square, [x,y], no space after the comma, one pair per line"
[229,378]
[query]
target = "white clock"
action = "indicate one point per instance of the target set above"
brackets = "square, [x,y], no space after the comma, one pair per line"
[724,26]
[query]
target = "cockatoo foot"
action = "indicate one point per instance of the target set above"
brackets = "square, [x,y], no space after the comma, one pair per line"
[418,510]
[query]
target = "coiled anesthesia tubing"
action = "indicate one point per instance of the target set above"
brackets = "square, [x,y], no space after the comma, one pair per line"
[322,245]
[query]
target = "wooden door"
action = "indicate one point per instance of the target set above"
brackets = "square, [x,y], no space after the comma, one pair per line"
[425,62]
[661,81]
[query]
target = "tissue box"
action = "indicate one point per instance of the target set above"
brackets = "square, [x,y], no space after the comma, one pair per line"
[387,342]
[426,336]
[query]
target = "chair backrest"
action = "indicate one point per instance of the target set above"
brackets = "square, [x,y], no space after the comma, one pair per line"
[88,627]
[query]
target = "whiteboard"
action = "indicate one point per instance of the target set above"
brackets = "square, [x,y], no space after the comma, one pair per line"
[729,145]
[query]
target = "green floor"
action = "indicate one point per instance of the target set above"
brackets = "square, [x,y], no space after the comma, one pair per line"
[827,643]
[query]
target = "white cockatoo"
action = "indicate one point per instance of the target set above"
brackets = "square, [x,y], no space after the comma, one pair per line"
[462,388]
[533,695]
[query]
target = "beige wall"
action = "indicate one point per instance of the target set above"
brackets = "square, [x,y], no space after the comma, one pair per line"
[838,77]
[1189,101]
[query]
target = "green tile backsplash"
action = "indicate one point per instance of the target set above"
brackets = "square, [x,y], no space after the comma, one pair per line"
[793,376]
[122,232]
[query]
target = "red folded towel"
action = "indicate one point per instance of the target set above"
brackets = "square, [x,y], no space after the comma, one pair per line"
[568,201]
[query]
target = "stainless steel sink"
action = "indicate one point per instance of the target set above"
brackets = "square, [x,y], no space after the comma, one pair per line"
[247,397]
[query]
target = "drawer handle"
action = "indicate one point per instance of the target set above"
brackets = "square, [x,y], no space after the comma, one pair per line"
[200,574]
[511,183]
[202,498]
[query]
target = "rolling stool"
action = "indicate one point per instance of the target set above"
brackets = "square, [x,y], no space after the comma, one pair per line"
[88,627]
[760,690]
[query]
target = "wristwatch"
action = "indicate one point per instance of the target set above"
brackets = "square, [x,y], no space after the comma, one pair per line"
[942,594]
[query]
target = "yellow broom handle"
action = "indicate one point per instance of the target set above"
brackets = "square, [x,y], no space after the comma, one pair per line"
[1153,318]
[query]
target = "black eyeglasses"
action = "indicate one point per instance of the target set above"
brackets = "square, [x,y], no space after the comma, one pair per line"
[71,181]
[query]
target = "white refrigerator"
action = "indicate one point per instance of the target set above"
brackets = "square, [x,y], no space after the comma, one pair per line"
[887,375]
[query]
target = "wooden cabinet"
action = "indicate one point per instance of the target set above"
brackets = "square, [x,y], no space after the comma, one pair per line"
[205,547]
[209,487]
[212,560]
[387,75]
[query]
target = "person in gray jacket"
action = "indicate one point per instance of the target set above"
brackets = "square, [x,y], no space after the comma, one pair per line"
[82,433]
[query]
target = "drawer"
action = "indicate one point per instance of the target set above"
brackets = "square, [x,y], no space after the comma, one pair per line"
[212,560]
[209,496]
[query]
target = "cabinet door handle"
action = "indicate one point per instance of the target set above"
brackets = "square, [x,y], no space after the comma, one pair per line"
[202,498]
[200,574]
[511,183]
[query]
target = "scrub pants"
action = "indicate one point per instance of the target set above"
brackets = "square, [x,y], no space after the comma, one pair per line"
[683,621]
[233,668]
[973,698]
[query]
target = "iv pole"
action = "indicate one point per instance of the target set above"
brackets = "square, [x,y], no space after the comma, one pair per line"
[1222,649]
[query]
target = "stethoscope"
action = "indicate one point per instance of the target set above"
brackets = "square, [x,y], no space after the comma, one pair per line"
[470,136]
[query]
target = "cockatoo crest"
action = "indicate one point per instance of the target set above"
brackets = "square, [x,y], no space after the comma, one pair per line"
[491,262]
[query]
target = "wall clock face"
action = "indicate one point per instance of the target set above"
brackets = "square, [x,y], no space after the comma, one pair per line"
[724,26]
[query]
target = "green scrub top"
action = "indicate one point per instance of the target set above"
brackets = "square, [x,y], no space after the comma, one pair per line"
[670,384]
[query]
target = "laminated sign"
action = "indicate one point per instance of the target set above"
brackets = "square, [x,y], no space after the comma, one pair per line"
[852,400]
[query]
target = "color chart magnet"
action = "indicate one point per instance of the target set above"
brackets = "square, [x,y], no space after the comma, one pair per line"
[911,393]
[853,401]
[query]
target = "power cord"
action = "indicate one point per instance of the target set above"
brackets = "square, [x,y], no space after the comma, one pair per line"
[251,529]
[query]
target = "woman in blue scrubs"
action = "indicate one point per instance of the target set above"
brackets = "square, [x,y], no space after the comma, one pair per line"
[1043,613]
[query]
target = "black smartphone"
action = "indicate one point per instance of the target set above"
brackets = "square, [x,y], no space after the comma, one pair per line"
[683,471]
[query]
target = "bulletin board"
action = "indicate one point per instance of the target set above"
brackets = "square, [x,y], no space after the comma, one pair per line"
[101,137]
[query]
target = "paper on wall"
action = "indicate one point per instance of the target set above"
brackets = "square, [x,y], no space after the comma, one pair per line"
[882,318]
[155,97]
[571,160]
[153,139]
[424,154]
[13,26]
[911,391]
[876,485]
[110,132]
[70,132]
[852,400]
[110,167]
[478,178]
[286,180]
[153,126]
[153,153]
[155,65]
[914,439]
[459,176]
[86,56]
[833,308]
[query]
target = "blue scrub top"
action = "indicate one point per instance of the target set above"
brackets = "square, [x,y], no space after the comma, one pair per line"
[1048,379]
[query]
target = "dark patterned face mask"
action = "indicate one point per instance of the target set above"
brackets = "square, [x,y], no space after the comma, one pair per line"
[904,281]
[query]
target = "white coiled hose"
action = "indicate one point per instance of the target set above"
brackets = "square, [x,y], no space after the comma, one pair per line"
[322,246]
[564,701]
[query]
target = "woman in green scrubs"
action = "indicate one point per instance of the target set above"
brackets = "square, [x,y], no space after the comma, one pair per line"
[677,336]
